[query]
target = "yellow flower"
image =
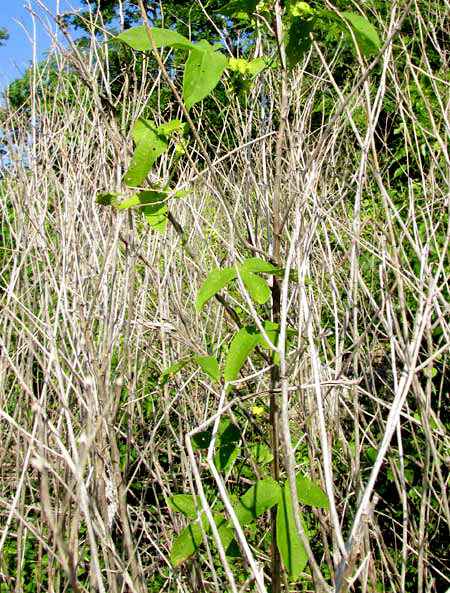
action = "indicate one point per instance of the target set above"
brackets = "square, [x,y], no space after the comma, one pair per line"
[258,410]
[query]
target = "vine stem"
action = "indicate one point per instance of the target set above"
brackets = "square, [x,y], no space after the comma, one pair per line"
[194,129]
[276,567]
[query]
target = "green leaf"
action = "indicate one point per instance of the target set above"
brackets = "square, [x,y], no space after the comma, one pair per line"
[298,39]
[142,198]
[289,544]
[152,206]
[174,125]
[241,345]
[202,73]
[186,504]
[365,33]
[257,287]
[186,544]
[137,38]
[156,216]
[254,67]
[209,365]
[302,9]
[201,440]
[261,453]
[205,45]
[430,372]
[181,193]
[239,9]
[225,456]
[228,432]
[229,544]
[238,65]
[215,281]
[371,453]
[311,494]
[167,373]
[243,67]
[260,497]
[272,330]
[108,198]
[149,146]
[255,264]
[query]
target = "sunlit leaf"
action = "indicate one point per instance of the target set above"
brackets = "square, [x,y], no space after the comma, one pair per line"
[261,453]
[142,198]
[257,287]
[215,281]
[241,345]
[181,193]
[149,146]
[238,65]
[289,544]
[272,330]
[260,497]
[255,66]
[311,494]
[202,72]
[186,504]
[209,365]
[228,540]
[186,544]
[174,125]
[137,38]
[302,9]
[255,264]
[365,33]
[167,373]
[156,216]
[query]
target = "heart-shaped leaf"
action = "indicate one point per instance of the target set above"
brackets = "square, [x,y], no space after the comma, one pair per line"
[202,72]
[225,456]
[256,264]
[209,365]
[137,38]
[215,281]
[311,494]
[186,504]
[257,287]
[261,453]
[186,543]
[260,497]
[365,33]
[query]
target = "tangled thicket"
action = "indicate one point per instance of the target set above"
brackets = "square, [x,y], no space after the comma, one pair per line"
[94,306]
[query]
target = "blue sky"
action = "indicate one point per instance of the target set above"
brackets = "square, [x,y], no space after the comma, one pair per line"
[17,52]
